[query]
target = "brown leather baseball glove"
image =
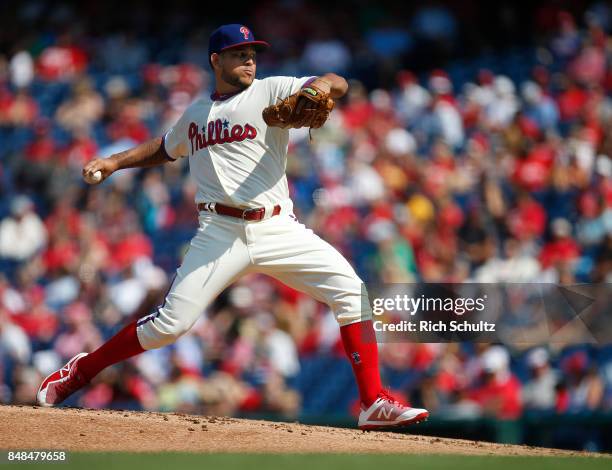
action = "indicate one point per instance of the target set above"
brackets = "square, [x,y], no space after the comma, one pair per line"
[309,107]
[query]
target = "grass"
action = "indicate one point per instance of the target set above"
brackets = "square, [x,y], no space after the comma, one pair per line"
[185,461]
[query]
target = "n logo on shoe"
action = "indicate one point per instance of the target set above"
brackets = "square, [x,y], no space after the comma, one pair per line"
[387,412]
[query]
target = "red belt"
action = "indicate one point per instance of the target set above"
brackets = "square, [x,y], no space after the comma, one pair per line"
[245,214]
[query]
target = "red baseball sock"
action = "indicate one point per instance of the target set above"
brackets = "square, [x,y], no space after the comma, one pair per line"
[360,346]
[120,347]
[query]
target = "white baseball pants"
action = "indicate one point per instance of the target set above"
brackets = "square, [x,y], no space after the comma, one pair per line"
[225,248]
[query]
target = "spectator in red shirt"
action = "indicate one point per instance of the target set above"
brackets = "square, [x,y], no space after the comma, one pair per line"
[81,150]
[37,320]
[358,110]
[129,125]
[62,61]
[563,249]
[528,219]
[499,391]
[61,254]
[65,217]
[42,148]
[571,102]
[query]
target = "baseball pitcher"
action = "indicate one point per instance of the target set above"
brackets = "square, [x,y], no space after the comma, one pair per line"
[236,142]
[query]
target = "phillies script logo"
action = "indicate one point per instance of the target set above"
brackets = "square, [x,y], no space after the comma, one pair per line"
[245,32]
[218,132]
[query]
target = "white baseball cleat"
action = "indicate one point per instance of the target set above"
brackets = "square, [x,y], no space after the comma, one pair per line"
[386,412]
[61,384]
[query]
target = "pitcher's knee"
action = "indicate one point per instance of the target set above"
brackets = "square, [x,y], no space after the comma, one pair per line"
[346,318]
[159,330]
[352,308]
[348,298]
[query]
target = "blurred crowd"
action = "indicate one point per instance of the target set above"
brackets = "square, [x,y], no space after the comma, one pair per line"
[491,169]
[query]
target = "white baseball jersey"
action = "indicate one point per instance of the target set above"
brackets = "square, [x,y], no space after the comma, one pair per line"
[234,157]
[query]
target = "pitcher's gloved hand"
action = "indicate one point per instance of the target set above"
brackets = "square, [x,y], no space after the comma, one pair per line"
[309,107]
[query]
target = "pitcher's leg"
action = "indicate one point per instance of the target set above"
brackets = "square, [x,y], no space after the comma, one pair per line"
[293,254]
[297,257]
[287,250]
[216,257]
[201,277]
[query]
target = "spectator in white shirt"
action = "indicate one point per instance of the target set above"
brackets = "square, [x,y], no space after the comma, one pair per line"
[22,234]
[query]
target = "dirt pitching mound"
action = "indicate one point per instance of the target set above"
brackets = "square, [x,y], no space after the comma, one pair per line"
[71,429]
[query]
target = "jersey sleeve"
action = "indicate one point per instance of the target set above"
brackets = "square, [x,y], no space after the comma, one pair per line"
[281,87]
[176,140]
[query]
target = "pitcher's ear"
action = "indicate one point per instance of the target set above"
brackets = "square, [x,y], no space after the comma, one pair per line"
[214,60]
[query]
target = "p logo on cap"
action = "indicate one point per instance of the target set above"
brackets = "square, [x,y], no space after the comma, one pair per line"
[233,35]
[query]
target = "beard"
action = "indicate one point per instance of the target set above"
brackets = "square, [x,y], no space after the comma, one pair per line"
[236,81]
